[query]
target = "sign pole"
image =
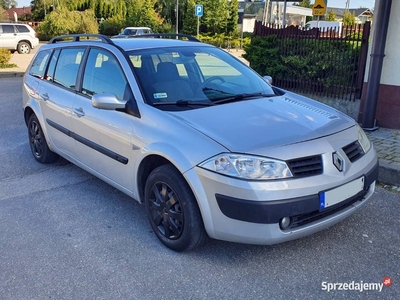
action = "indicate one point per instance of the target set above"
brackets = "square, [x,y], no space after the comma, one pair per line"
[198,25]
[198,11]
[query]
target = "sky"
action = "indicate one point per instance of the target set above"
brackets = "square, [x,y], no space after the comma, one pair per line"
[331,3]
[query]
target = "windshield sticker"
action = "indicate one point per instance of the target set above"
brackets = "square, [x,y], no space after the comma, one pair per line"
[160,95]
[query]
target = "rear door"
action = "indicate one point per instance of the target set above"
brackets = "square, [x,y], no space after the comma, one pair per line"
[58,94]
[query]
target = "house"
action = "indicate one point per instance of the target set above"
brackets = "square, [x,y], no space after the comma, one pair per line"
[19,13]
[271,12]
[361,14]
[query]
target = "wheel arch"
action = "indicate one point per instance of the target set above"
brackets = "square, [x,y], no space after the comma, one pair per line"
[147,165]
[25,41]
[27,113]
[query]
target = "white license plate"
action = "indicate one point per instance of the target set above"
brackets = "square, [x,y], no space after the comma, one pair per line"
[340,193]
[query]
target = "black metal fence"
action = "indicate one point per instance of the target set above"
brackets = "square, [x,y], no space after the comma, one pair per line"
[320,61]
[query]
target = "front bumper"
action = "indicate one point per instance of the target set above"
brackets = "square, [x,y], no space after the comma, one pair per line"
[249,211]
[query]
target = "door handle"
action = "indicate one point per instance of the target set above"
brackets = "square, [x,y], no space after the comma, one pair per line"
[45,96]
[79,112]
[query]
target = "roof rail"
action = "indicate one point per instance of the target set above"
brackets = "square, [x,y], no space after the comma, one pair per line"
[163,35]
[78,37]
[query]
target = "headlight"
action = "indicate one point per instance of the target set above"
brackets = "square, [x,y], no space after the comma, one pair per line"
[363,139]
[247,167]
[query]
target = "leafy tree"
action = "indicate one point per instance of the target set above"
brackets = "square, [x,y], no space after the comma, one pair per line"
[3,14]
[231,26]
[215,16]
[113,25]
[331,15]
[62,21]
[167,10]
[190,19]
[6,4]
[305,3]
[349,19]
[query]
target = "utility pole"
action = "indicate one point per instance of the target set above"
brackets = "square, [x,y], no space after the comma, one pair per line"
[177,16]
[347,7]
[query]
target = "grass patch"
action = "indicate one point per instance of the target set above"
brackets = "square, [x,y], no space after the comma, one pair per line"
[7,66]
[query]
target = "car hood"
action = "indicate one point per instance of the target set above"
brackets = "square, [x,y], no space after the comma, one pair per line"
[254,125]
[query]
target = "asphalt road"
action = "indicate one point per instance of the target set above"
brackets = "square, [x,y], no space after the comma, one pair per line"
[67,235]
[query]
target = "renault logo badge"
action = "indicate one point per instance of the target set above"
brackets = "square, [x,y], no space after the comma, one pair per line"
[338,161]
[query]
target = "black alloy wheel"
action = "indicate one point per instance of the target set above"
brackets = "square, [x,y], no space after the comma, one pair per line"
[38,143]
[166,211]
[172,210]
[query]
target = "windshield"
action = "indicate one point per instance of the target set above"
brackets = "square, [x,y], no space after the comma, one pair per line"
[129,31]
[195,76]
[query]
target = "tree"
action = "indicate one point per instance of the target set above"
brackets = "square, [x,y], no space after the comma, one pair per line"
[190,19]
[331,15]
[3,14]
[349,19]
[232,23]
[305,3]
[215,15]
[62,21]
[6,4]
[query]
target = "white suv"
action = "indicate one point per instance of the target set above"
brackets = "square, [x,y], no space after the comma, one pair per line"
[20,37]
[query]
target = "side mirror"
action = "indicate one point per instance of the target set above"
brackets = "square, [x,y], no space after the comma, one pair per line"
[107,101]
[268,79]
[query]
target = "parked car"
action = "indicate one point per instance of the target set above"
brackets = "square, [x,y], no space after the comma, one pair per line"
[19,37]
[133,31]
[205,143]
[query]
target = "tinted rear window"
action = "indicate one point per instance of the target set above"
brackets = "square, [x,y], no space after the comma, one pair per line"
[22,28]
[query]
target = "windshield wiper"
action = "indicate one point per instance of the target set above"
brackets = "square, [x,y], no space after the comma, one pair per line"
[184,103]
[239,97]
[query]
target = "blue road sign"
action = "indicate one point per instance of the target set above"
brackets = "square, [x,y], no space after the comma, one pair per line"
[198,10]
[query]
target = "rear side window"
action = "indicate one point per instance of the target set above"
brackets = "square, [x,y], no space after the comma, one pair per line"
[38,67]
[22,28]
[8,28]
[67,67]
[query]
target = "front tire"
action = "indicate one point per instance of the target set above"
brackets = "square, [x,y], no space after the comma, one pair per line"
[172,210]
[23,48]
[38,143]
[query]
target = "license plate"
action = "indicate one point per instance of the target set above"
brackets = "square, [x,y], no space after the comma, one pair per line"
[341,193]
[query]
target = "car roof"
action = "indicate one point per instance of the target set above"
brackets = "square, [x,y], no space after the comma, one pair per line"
[140,42]
[130,27]
[145,43]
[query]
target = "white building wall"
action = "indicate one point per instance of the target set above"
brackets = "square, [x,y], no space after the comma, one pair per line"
[391,61]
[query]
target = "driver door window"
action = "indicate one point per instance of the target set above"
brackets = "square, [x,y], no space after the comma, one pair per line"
[103,74]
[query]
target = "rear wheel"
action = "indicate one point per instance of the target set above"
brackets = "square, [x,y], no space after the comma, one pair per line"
[172,210]
[23,48]
[38,143]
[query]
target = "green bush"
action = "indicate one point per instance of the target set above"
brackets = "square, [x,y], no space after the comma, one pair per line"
[223,41]
[330,63]
[5,56]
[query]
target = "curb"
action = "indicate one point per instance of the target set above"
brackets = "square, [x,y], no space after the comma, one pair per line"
[388,173]
[9,74]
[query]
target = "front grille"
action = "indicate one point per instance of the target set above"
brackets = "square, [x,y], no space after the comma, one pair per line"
[306,166]
[304,219]
[353,151]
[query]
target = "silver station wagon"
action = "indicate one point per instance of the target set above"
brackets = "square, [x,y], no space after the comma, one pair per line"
[205,143]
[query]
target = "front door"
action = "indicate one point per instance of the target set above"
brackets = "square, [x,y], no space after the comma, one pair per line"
[104,136]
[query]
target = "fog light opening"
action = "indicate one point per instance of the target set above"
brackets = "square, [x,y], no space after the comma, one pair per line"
[285,222]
